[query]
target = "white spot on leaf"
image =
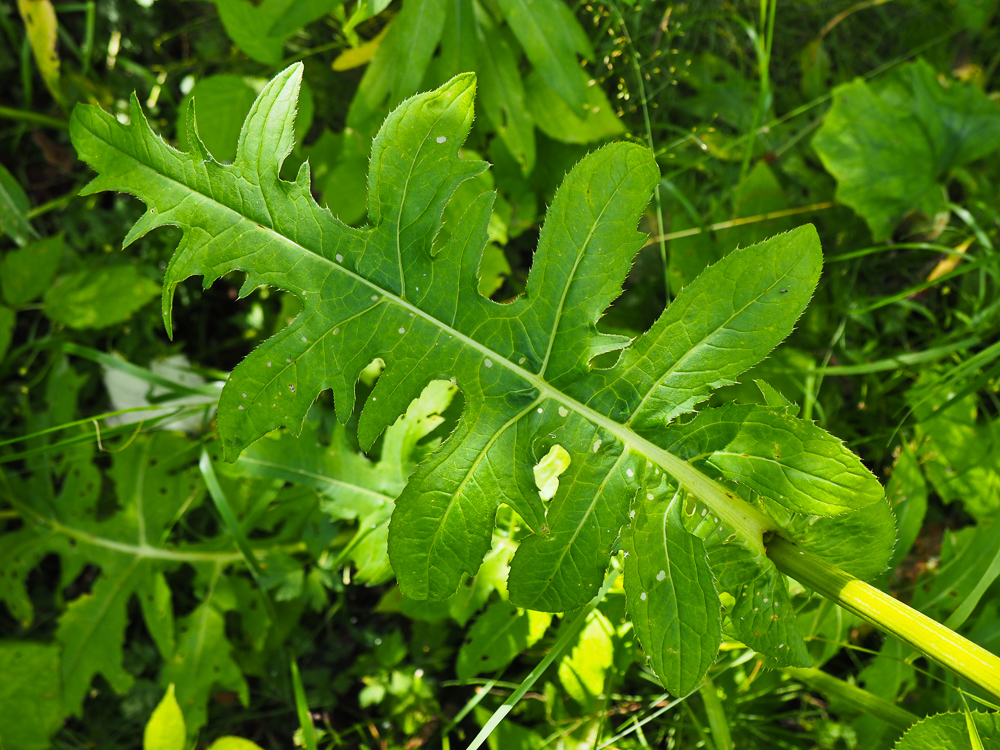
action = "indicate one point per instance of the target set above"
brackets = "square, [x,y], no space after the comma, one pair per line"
[597,443]
[488,363]
[340,258]
[563,411]
[442,138]
[661,575]
[643,596]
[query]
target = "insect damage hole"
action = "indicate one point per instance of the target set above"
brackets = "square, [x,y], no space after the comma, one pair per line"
[547,471]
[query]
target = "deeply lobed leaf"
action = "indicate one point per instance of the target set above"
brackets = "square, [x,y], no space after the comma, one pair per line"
[403,291]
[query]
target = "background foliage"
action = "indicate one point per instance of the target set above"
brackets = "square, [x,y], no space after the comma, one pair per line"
[132,558]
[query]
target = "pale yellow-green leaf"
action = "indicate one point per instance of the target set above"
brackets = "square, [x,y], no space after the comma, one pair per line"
[582,672]
[43,34]
[165,730]
[234,743]
[361,55]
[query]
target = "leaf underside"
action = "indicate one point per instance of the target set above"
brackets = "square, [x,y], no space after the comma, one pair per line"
[404,292]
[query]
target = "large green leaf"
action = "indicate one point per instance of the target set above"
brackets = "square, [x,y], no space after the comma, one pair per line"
[891,144]
[401,291]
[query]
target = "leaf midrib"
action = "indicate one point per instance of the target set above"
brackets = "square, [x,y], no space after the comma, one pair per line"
[744,518]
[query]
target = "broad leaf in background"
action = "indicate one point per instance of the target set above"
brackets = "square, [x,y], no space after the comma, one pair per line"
[25,274]
[551,38]
[400,292]
[302,13]
[203,662]
[126,546]
[30,694]
[501,633]
[154,484]
[127,391]
[892,143]
[99,297]
[564,101]
[555,118]
[252,26]
[959,451]
[222,103]
[582,672]
[354,488]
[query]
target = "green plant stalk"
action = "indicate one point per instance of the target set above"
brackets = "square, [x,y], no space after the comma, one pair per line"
[966,659]
[862,700]
[718,724]
[34,118]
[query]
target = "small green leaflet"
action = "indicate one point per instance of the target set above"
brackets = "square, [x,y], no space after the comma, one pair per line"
[402,291]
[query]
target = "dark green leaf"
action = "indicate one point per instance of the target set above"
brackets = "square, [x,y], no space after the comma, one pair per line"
[501,633]
[891,144]
[544,33]
[26,273]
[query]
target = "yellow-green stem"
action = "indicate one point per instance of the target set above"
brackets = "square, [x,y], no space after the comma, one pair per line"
[932,639]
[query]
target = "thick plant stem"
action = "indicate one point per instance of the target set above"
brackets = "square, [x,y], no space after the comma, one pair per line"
[932,639]
[861,700]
